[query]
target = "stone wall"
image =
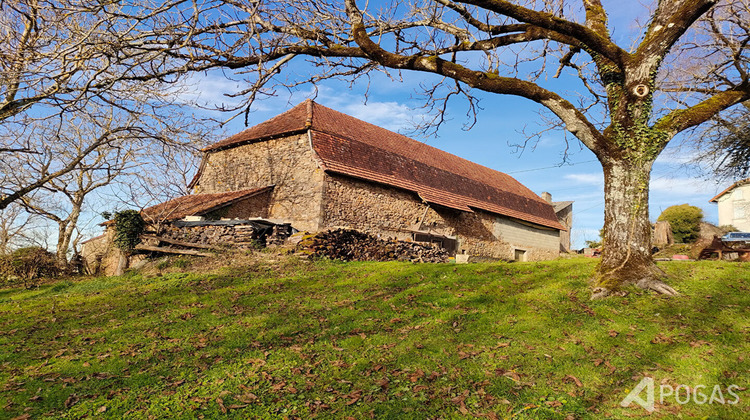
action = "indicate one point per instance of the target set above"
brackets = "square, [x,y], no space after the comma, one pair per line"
[380,210]
[566,218]
[256,206]
[100,255]
[391,212]
[537,243]
[213,235]
[288,163]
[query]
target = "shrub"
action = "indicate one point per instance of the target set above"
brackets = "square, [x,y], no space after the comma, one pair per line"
[598,242]
[685,221]
[728,228]
[29,264]
[128,227]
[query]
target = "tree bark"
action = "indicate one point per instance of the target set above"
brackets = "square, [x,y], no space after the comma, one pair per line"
[66,229]
[123,263]
[626,252]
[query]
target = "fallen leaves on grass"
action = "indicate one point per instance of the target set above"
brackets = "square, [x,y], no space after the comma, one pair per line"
[569,378]
[247,398]
[220,402]
[508,374]
[661,338]
[71,400]
[353,397]
[417,375]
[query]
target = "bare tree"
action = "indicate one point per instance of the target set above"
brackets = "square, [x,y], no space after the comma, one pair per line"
[725,144]
[630,102]
[67,56]
[61,199]
[15,223]
[130,148]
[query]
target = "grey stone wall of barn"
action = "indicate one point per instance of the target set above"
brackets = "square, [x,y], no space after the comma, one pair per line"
[312,200]
[392,212]
[287,162]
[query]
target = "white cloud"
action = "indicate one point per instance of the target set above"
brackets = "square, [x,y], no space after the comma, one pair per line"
[391,115]
[209,90]
[677,157]
[586,178]
[681,187]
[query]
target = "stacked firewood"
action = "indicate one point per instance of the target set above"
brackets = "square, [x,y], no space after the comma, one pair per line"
[352,245]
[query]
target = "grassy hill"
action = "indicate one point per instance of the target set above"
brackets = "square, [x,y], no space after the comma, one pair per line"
[276,337]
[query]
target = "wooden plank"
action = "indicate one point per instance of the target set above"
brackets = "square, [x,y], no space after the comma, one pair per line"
[180,243]
[169,250]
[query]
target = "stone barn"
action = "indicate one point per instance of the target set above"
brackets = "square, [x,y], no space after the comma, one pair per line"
[318,169]
[315,169]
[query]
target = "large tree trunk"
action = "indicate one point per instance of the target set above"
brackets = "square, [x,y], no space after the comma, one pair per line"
[626,253]
[66,229]
[62,243]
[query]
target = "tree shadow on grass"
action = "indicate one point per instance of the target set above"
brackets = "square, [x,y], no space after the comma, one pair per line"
[420,340]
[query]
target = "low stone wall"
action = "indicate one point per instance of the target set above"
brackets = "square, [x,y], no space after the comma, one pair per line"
[212,235]
[247,234]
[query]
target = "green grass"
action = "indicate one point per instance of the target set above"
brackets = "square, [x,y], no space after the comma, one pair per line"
[294,339]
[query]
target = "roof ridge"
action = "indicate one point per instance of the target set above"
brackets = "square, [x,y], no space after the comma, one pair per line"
[289,120]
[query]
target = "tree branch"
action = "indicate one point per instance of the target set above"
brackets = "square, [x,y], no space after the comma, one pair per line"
[682,119]
[589,39]
[671,20]
[574,120]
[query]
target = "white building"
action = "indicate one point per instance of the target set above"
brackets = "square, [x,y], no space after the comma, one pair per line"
[734,205]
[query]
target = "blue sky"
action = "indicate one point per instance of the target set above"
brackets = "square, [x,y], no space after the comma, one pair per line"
[394,105]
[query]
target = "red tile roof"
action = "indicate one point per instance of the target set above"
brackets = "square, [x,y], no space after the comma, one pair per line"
[196,204]
[731,187]
[359,149]
[295,120]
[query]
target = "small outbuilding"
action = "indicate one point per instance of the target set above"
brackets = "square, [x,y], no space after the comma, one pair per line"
[734,205]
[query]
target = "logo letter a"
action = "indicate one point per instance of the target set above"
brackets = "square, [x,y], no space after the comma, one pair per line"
[634,395]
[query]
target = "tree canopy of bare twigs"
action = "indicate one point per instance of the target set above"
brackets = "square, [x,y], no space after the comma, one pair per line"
[689,64]
[725,144]
[128,150]
[15,225]
[75,58]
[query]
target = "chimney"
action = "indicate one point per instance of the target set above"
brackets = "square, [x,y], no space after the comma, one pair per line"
[547,197]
